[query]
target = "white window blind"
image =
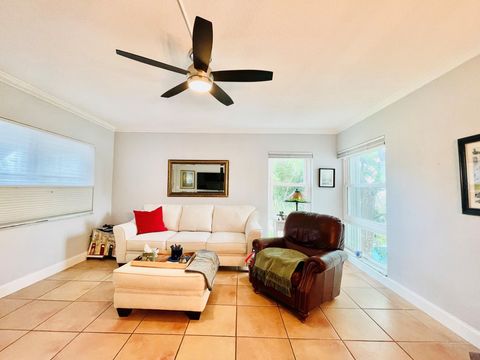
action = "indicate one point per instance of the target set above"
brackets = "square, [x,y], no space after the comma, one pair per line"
[43,175]
[287,155]
[367,145]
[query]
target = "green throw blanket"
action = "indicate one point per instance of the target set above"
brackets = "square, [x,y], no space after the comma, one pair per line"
[275,266]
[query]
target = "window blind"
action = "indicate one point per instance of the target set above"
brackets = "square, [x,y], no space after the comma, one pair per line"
[42,175]
[367,145]
[285,155]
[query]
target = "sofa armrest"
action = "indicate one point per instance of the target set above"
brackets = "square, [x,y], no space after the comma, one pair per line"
[123,232]
[253,231]
[328,260]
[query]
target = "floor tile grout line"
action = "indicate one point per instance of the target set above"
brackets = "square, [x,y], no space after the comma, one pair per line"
[368,315]
[55,313]
[91,322]
[32,300]
[393,340]
[68,343]
[71,303]
[236,318]
[363,309]
[183,338]
[288,335]
[338,334]
[130,334]
[391,337]
[34,329]
[13,342]
[123,345]
[46,292]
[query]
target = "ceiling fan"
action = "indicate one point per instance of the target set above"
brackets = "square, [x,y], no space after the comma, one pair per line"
[200,76]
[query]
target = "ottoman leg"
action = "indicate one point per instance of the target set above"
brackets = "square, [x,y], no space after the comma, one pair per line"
[124,312]
[194,315]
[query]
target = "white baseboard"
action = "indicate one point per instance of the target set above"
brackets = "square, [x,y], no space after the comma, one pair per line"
[29,279]
[458,326]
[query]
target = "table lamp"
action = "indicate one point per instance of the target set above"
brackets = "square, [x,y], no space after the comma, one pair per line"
[296,197]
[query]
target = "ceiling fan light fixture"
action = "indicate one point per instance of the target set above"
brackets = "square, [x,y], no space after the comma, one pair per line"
[199,83]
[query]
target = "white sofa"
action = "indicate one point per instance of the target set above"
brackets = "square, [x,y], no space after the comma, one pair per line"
[226,229]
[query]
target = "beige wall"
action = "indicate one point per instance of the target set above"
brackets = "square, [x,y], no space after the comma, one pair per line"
[434,250]
[140,171]
[29,248]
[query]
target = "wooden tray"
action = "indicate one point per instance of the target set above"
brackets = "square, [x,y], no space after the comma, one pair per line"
[161,262]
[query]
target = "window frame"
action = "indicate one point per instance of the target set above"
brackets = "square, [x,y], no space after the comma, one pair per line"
[307,184]
[361,223]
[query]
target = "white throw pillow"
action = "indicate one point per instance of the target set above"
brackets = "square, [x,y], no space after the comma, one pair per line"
[196,218]
[230,218]
[171,214]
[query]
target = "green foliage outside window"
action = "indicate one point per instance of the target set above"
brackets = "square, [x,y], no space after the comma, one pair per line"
[287,175]
[366,206]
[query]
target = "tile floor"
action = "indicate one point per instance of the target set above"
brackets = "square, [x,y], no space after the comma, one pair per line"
[70,316]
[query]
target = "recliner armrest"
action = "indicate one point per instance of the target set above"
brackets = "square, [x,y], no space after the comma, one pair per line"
[328,260]
[261,244]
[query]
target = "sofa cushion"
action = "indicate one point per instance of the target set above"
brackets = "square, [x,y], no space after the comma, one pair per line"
[196,218]
[227,243]
[155,239]
[231,218]
[171,214]
[190,240]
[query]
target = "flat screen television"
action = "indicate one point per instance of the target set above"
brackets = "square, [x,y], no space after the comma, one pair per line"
[210,181]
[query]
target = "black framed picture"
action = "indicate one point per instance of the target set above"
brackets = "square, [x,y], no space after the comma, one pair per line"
[469,156]
[326,177]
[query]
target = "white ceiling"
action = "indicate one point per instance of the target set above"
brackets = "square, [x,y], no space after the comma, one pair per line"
[334,62]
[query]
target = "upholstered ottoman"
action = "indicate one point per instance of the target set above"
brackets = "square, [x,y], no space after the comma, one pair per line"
[159,289]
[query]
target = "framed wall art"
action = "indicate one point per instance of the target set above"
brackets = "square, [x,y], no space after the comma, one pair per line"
[187,179]
[326,177]
[197,178]
[469,156]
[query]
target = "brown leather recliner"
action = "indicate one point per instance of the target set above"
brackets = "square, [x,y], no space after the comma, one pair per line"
[318,279]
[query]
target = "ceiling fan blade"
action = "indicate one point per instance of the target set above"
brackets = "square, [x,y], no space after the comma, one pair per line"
[176,90]
[202,43]
[242,75]
[221,95]
[151,62]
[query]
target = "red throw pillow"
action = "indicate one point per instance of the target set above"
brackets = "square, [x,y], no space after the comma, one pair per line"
[149,221]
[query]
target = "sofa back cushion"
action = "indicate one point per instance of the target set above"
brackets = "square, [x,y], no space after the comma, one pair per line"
[231,218]
[196,218]
[171,214]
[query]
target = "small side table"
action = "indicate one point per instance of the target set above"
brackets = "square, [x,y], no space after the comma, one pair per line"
[102,244]
[279,226]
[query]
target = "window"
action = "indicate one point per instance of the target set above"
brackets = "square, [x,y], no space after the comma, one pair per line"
[287,172]
[365,206]
[42,175]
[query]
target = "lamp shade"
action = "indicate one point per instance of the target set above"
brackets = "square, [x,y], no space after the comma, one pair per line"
[296,196]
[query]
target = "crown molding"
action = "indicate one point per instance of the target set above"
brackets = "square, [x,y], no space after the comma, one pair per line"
[240,131]
[42,95]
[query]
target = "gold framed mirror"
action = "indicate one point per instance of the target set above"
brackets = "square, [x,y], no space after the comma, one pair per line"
[198,178]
